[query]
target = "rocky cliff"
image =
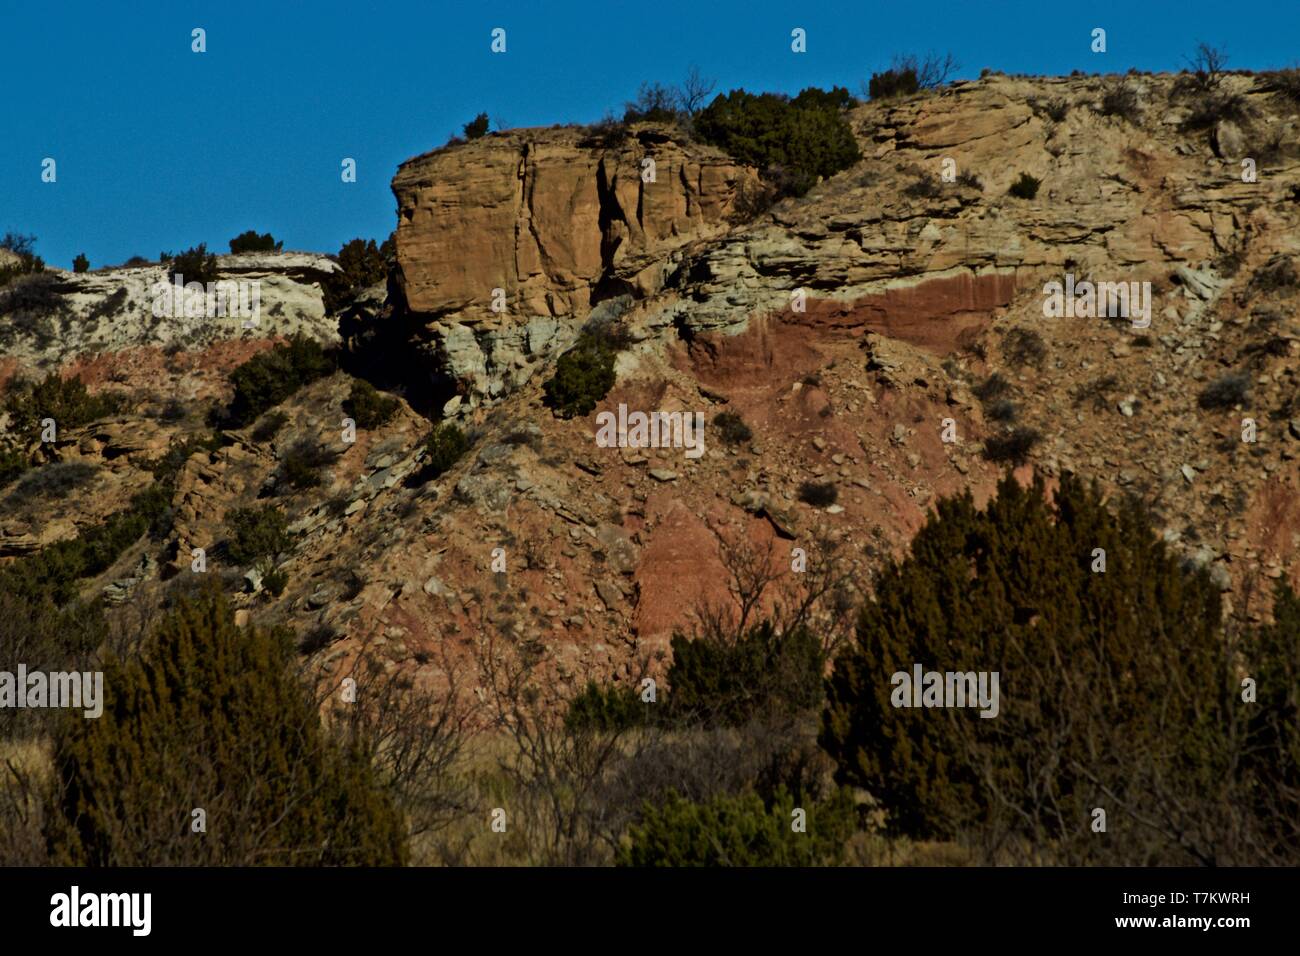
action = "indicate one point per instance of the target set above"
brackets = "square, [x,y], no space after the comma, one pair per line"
[506,243]
[559,221]
[851,329]
[846,325]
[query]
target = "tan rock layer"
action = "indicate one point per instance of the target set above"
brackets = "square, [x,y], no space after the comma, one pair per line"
[546,215]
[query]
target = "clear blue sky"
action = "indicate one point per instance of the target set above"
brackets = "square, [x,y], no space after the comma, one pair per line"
[161,148]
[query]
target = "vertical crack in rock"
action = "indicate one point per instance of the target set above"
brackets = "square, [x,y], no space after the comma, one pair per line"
[610,213]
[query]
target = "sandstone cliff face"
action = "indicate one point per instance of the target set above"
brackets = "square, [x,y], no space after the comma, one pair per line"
[555,219]
[547,214]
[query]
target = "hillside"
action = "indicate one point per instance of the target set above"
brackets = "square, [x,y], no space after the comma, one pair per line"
[844,327]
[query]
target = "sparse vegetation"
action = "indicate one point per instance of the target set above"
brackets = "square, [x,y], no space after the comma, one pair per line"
[908,74]
[80,263]
[1208,64]
[654,102]
[251,241]
[1274,147]
[732,428]
[1057,109]
[444,447]
[694,90]
[28,304]
[725,728]
[994,387]
[1025,187]
[1097,392]
[53,573]
[1119,98]
[55,480]
[583,376]
[24,247]
[792,142]
[275,580]
[1002,410]
[318,637]
[268,426]
[926,187]
[302,463]
[819,494]
[753,198]
[1215,108]
[607,132]
[254,533]
[109,306]
[270,377]
[361,264]
[1011,447]
[1229,263]
[173,410]
[1203,82]
[195,264]
[1275,277]
[367,407]
[524,435]
[35,294]
[892,83]
[1226,391]
[51,576]
[1022,347]
[1286,83]
[476,128]
[65,400]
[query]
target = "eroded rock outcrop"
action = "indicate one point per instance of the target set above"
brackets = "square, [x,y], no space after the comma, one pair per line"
[555,220]
[112,310]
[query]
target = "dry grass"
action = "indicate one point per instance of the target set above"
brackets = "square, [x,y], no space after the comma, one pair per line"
[25,767]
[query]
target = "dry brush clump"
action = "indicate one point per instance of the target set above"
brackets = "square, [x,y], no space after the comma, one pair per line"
[624,772]
[416,734]
[549,775]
